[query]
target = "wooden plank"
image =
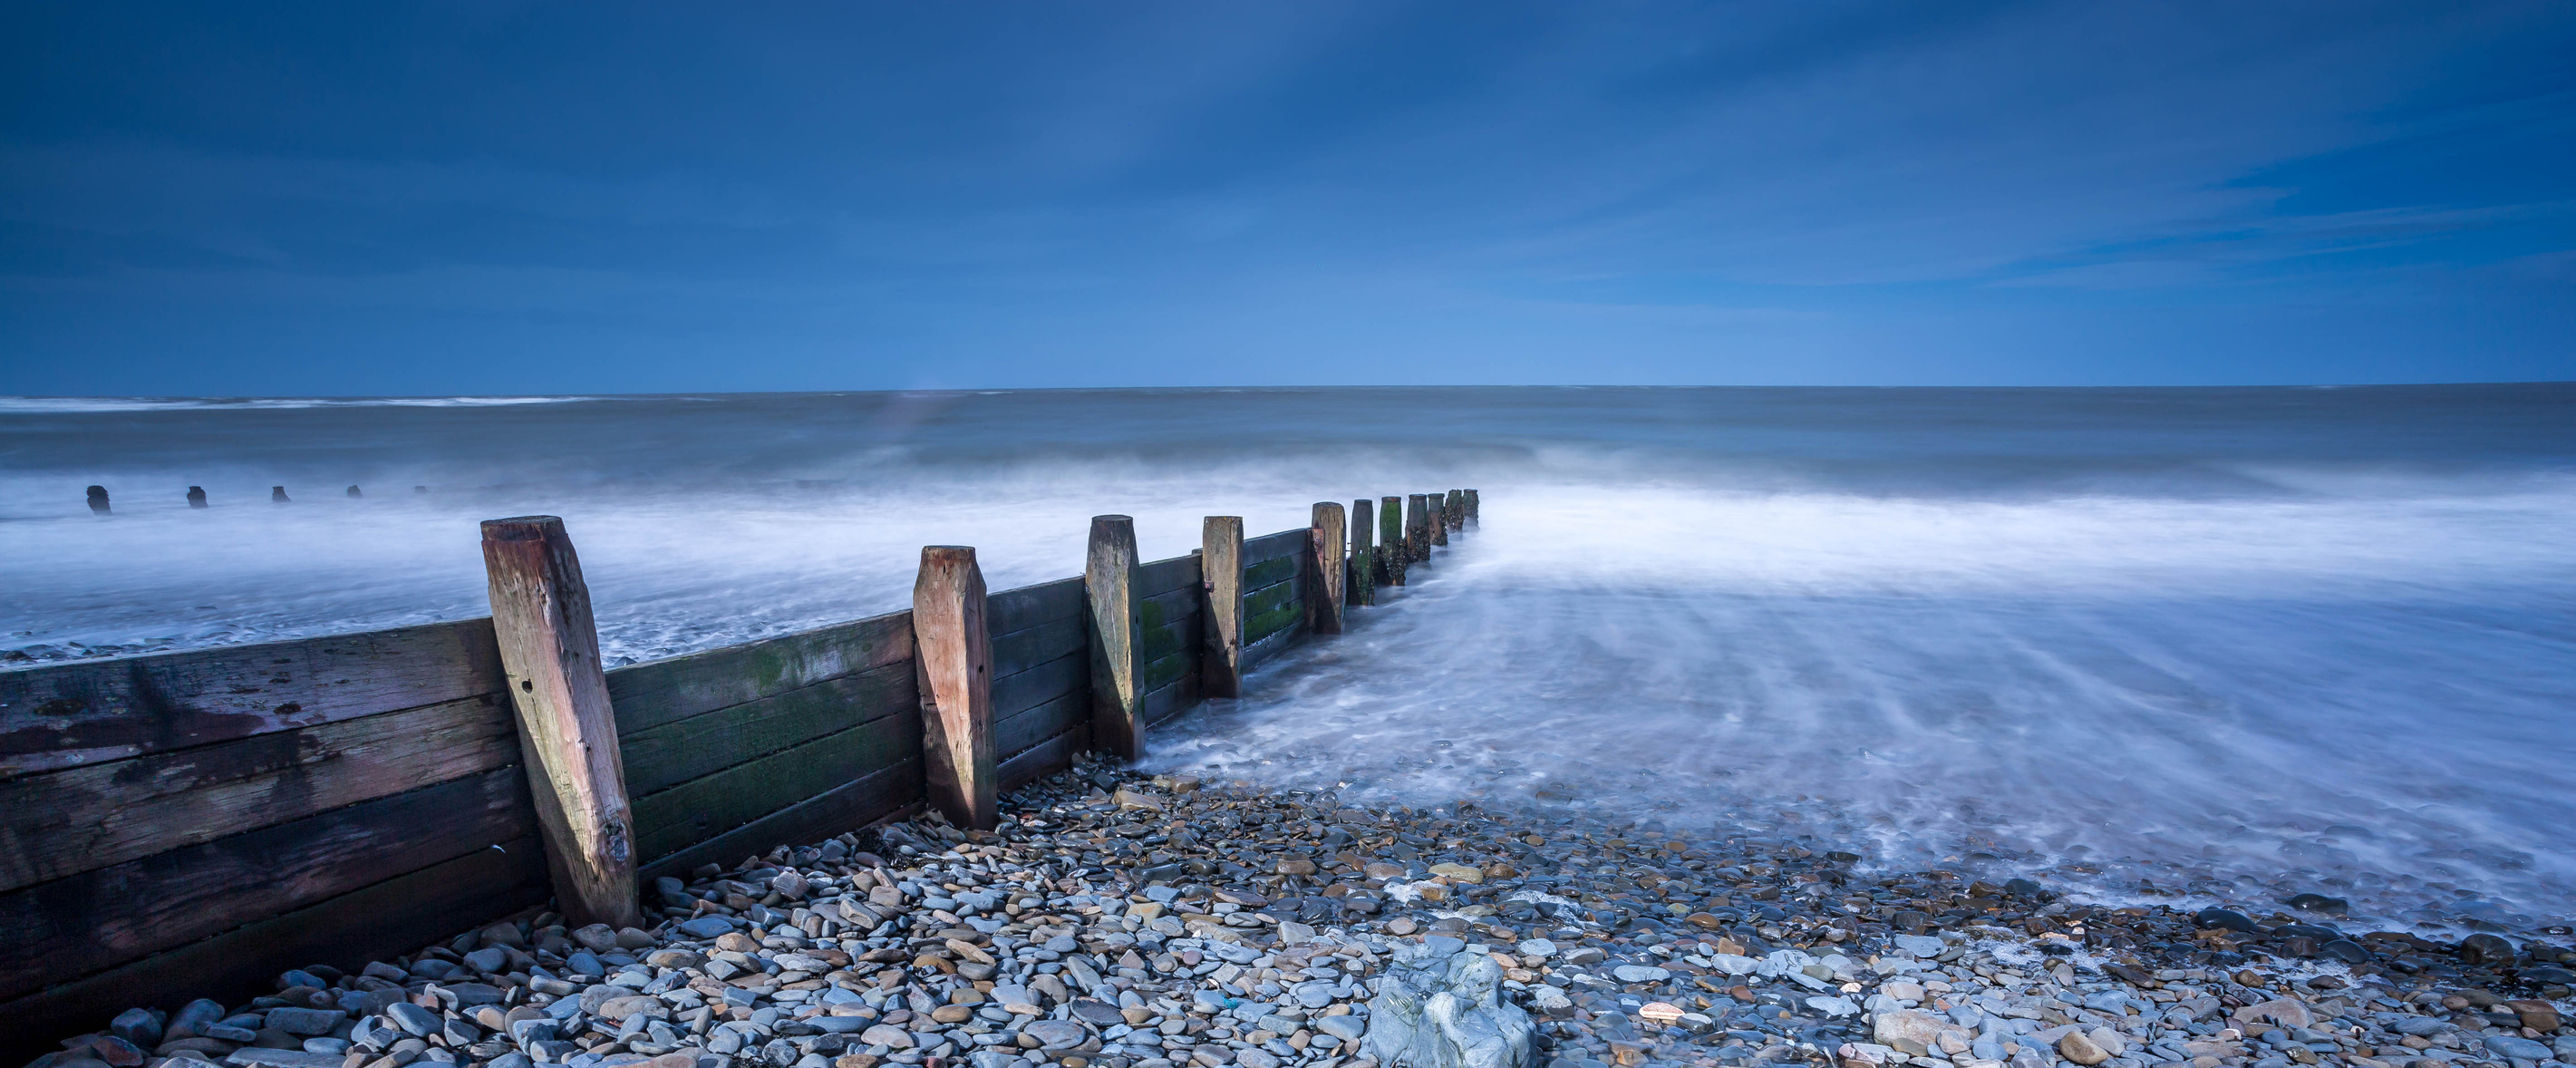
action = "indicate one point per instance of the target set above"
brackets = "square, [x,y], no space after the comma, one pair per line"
[650,694]
[1171,604]
[1269,573]
[1029,606]
[1167,635]
[1181,695]
[1028,647]
[674,753]
[567,732]
[80,819]
[1472,518]
[76,714]
[1021,691]
[1046,758]
[1221,564]
[1109,581]
[378,922]
[1268,610]
[1268,547]
[846,806]
[1014,735]
[1160,673]
[1165,576]
[703,808]
[1259,652]
[99,919]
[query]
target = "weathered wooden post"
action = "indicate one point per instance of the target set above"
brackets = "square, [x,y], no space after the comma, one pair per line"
[567,732]
[1363,571]
[354,494]
[1221,574]
[196,496]
[277,495]
[1390,532]
[1456,509]
[1324,598]
[1471,509]
[98,500]
[1109,580]
[1439,522]
[1417,529]
[953,661]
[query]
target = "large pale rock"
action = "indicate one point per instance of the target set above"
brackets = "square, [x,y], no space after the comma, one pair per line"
[1439,1006]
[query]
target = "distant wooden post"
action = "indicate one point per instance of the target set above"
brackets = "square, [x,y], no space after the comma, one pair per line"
[1456,510]
[196,496]
[1363,572]
[354,494]
[567,733]
[277,495]
[1390,534]
[1221,573]
[1439,522]
[98,500]
[1417,528]
[1109,580]
[1471,509]
[953,660]
[1324,599]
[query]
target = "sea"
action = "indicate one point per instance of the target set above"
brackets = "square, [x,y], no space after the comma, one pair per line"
[2176,645]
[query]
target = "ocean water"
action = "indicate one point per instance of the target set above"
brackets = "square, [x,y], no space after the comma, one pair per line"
[2183,645]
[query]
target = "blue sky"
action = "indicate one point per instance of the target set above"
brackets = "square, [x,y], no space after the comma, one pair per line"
[559,197]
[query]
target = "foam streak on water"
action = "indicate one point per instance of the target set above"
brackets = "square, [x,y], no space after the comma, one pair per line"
[2226,644]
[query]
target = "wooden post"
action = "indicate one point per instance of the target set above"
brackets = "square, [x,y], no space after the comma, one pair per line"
[1221,575]
[196,496]
[1109,580]
[1324,598]
[567,733]
[953,660]
[1417,529]
[1390,534]
[1456,510]
[98,500]
[1363,572]
[1439,522]
[1471,509]
[277,495]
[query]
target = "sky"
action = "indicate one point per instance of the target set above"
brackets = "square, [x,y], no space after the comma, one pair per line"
[523,198]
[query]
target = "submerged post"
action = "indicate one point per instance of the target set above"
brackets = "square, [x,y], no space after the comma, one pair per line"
[1324,598]
[1363,571]
[1109,582]
[1390,535]
[98,500]
[1417,529]
[1439,524]
[1221,574]
[196,496]
[277,495]
[567,732]
[1456,509]
[953,660]
[1471,509]
[354,494]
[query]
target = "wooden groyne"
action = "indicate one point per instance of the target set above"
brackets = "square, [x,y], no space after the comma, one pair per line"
[196,823]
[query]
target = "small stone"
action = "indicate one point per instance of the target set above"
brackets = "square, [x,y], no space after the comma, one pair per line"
[305,1021]
[1638,973]
[706,927]
[597,937]
[2076,1046]
[1053,1035]
[1458,873]
[412,1018]
[1402,925]
[887,1035]
[2517,1048]
[2485,949]
[2539,1016]
[139,1026]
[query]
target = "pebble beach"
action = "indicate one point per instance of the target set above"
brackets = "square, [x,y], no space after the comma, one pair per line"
[1119,920]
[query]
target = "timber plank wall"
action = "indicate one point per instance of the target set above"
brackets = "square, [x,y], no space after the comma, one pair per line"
[193,824]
